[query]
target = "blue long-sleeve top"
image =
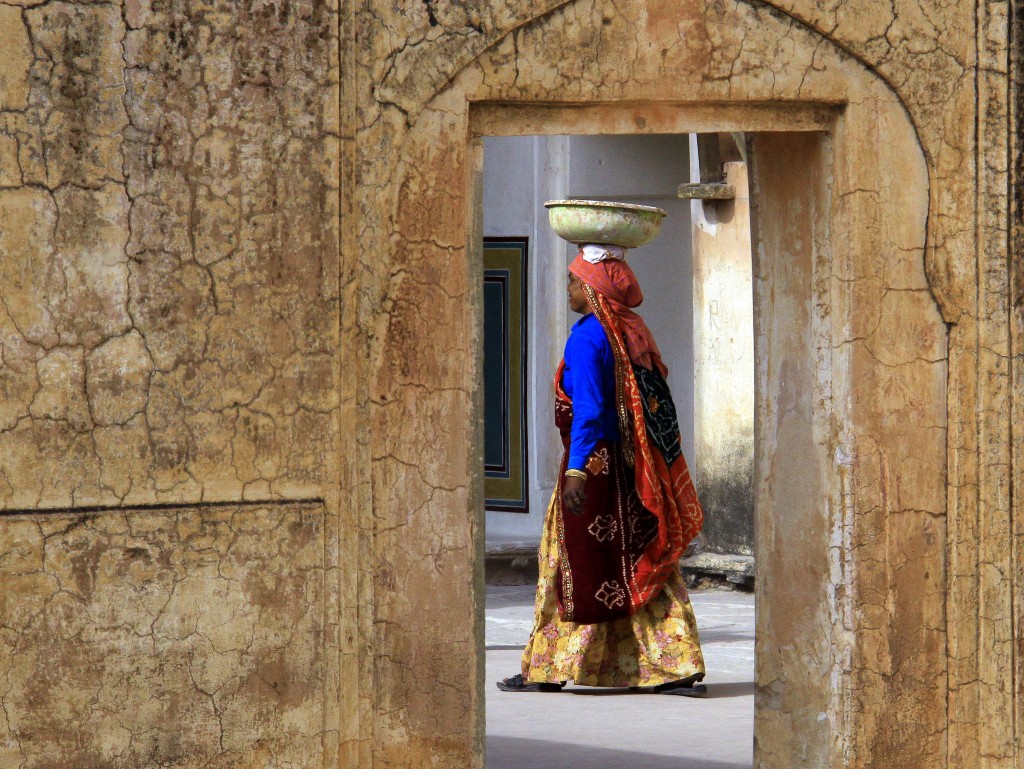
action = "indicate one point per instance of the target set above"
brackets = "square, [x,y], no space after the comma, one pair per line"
[589,381]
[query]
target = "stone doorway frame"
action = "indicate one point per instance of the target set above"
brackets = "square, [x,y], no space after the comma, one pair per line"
[790,156]
[853,406]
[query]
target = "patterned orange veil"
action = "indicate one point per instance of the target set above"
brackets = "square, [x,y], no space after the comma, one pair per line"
[650,431]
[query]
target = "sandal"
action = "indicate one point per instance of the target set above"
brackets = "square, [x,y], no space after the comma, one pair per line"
[685,687]
[518,684]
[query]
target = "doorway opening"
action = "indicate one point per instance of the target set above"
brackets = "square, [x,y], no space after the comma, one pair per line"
[697,282]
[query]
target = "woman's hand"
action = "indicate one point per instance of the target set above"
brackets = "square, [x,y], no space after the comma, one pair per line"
[573,496]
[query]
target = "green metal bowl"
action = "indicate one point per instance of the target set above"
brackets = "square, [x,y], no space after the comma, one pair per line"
[597,221]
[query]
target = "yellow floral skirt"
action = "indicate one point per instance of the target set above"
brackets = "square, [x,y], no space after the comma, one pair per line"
[656,645]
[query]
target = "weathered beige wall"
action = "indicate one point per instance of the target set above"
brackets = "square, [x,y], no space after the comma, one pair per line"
[798,645]
[164,638]
[169,254]
[890,287]
[723,367]
[176,178]
[169,218]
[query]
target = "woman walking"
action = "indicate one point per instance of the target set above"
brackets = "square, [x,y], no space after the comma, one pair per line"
[611,607]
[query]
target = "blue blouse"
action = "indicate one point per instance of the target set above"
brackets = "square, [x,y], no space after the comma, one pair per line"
[589,381]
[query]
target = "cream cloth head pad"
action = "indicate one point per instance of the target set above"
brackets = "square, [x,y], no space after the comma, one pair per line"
[594,252]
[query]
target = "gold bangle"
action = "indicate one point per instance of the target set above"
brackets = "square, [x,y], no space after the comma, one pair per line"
[576,474]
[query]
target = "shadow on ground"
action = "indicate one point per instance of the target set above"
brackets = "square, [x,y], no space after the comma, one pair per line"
[520,753]
[723,636]
[715,691]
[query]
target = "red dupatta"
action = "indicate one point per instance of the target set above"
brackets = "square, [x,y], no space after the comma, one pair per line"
[666,491]
[664,486]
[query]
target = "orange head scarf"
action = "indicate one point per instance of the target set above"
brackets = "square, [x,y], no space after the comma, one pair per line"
[615,282]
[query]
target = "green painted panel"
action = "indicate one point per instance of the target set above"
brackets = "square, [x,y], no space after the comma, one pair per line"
[505,337]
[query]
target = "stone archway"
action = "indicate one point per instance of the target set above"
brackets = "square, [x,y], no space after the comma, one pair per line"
[852,366]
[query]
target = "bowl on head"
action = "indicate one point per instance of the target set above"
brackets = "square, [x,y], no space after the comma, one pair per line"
[597,221]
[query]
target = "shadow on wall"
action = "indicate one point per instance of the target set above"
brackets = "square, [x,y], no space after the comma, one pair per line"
[727,495]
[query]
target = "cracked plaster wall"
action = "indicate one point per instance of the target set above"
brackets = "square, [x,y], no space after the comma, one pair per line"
[170,213]
[169,339]
[168,244]
[172,638]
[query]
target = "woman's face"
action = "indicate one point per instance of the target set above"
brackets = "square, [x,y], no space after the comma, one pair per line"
[577,299]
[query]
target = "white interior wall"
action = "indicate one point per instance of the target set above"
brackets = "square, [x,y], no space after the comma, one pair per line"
[648,170]
[520,173]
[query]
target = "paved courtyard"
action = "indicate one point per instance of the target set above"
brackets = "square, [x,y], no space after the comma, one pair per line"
[585,728]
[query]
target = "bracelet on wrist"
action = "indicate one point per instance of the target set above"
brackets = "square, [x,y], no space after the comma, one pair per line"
[576,474]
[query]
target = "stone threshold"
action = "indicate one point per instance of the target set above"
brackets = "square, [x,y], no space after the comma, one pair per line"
[733,570]
[515,563]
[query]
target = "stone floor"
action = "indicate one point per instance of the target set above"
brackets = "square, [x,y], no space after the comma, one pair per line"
[587,728]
